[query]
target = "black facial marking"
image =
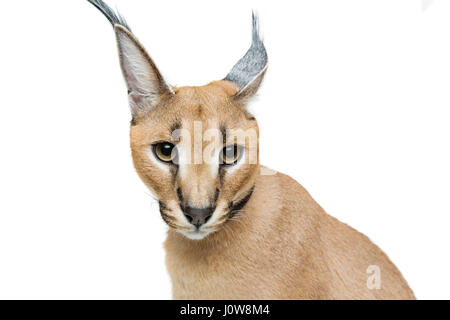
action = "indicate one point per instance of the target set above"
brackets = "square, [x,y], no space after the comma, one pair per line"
[199,110]
[163,207]
[180,195]
[162,210]
[234,208]
[221,174]
[249,116]
[216,196]
[133,122]
[223,131]
[221,168]
[174,170]
[167,219]
[175,127]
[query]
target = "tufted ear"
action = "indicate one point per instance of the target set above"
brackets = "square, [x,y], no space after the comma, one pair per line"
[145,83]
[146,86]
[249,71]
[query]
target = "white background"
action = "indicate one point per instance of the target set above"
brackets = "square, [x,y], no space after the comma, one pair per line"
[355,106]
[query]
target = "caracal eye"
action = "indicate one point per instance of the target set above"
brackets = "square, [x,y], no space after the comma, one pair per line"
[230,155]
[165,151]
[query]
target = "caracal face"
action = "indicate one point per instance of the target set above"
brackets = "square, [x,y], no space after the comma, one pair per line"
[196,148]
[212,163]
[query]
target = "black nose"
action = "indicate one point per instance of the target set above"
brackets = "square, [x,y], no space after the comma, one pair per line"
[198,216]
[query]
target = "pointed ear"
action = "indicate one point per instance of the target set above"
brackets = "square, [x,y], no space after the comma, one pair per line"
[146,86]
[252,87]
[248,73]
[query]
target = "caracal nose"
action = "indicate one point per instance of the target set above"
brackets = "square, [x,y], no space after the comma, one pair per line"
[198,216]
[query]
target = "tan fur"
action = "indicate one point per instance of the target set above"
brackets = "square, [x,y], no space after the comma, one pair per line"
[236,230]
[282,245]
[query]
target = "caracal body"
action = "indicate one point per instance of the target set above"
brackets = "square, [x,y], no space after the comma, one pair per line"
[283,246]
[237,230]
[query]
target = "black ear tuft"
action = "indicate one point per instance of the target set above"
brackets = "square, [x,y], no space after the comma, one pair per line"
[110,14]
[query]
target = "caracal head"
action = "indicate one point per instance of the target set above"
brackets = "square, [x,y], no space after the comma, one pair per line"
[195,148]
